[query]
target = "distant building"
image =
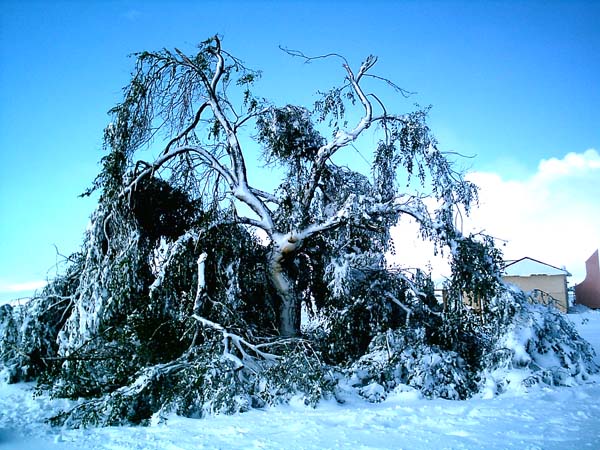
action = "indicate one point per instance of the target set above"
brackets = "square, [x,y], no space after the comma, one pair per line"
[588,291]
[546,283]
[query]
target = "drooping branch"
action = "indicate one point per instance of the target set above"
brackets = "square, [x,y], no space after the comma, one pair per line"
[188,129]
[165,86]
[405,93]
[209,159]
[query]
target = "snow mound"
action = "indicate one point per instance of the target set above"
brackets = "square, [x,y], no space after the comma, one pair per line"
[528,344]
[540,345]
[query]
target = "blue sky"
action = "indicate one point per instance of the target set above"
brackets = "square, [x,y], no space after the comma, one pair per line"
[515,83]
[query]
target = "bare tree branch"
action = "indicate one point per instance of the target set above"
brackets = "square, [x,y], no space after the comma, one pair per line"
[308,59]
[342,138]
[206,156]
[405,93]
[188,129]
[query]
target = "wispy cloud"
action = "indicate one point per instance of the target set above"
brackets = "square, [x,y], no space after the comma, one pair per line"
[8,288]
[132,14]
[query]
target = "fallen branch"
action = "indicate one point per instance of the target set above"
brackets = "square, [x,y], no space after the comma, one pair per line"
[238,341]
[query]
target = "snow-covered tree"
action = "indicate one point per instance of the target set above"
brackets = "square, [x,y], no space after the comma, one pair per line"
[188,292]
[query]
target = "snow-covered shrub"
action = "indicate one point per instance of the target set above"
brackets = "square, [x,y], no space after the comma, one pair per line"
[156,324]
[455,357]
[300,371]
[11,367]
[29,330]
[364,308]
[542,344]
[403,357]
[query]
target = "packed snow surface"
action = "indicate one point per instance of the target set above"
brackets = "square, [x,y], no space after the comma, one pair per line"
[539,417]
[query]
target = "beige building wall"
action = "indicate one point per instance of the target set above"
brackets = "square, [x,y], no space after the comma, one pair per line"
[555,285]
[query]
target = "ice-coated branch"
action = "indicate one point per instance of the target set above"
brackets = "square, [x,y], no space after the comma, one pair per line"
[220,64]
[397,302]
[238,177]
[241,190]
[201,288]
[190,127]
[60,299]
[91,411]
[242,120]
[342,138]
[266,196]
[360,212]
[236,340]
[414,290]
[249,221]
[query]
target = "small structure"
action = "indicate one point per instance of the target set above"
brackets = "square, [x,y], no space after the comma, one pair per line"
[588,291]
[547,284]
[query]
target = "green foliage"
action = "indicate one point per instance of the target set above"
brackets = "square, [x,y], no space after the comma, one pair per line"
[287,134]
[29,331]
[385,164]
[409,144]
[476,266]
[332,105]
[299,371]
[162,210]
[205,381]
[369,302]
[161,98]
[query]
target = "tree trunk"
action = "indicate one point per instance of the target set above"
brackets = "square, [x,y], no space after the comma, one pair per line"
[289,309]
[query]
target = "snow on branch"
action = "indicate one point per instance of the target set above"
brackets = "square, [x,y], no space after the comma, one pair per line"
[238,342]
[188,130]
[228,337]
[342,137]
[397,302]
[201,289]
[204,77]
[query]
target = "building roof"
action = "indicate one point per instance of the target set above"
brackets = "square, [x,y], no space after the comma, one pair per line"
[526,267]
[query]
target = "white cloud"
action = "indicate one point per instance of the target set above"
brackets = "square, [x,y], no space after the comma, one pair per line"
[573,164]
[8,288]
[11,292]
[552,216]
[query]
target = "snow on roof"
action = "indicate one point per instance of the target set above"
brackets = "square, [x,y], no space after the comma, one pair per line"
[525,267]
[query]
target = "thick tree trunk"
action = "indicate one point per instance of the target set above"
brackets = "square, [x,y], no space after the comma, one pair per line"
[289,310]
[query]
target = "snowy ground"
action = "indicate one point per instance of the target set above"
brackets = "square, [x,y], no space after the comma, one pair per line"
[539,418]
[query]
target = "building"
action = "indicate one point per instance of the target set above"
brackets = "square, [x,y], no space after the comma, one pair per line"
[588,291]
[546,283]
